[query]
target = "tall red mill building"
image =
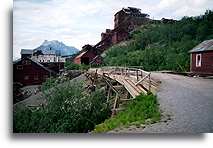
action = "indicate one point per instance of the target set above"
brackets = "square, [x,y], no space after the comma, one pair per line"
[125,21]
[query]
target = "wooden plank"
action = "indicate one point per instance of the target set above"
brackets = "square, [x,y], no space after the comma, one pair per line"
[108,94]
[119,74]
[142,79]
[116,100]
[131,89]
[133,85]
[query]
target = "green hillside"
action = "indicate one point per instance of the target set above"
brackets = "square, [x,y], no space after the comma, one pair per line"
[162,46]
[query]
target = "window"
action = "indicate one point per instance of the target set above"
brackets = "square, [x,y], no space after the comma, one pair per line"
[36,77]
[45,77]
[198,60]
[19,67]
[26,77]
[26,62]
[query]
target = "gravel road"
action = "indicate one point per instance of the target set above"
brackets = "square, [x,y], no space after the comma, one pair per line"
[186,104]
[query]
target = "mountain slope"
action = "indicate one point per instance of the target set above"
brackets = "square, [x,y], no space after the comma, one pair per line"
[58,47]
[162,46]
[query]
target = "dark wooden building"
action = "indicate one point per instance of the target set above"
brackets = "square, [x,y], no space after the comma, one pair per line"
[54,66]
[87,54]
[29,72]
[202,58]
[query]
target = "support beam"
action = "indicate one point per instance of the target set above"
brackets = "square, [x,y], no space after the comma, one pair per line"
[108,94]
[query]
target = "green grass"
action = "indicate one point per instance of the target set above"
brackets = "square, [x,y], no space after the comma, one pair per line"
[137,112]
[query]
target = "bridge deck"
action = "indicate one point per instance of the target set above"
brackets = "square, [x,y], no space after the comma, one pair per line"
[135,81]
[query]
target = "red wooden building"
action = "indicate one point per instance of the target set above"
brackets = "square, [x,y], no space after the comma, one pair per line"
[126,20]
[87,54]
[202,58]
[54,66]
[29,72]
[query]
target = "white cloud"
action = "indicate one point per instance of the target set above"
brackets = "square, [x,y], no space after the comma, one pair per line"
[81,22]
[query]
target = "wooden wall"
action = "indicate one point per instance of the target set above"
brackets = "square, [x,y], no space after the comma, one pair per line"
[206,62]
[36,74]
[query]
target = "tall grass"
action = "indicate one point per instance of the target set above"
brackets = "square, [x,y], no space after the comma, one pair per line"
[142,108]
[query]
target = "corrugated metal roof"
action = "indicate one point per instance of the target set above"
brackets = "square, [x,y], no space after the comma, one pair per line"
[204,46]
[52,52]
[80,55]
[26,51]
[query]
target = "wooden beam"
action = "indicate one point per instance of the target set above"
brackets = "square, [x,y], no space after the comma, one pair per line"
[108,94]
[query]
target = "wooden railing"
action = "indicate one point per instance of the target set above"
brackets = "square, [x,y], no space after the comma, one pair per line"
[127,72]
[134,79]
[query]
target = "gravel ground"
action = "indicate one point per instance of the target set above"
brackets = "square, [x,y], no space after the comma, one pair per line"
[186,104]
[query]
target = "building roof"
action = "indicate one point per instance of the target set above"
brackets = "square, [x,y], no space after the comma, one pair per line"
[80,55]
[49,52]
[37,63]
[26,51]
[204,46]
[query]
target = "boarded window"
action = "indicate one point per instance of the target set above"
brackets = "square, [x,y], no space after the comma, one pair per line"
[26,62]
[26,77]
[45,77]
[19,67]
[198,60]
[36,77]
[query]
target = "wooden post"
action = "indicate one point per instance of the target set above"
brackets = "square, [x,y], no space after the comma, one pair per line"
[128,95]
[108,94]
[149,83]
[115,104]
[137,74]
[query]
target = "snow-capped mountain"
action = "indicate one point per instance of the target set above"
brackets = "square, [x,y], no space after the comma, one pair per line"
[58,47]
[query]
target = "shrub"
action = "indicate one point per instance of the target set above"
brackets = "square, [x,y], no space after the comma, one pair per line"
[70,109]
[49,83]
[72,66]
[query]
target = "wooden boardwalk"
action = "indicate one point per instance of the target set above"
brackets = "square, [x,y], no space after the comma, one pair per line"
[134,80]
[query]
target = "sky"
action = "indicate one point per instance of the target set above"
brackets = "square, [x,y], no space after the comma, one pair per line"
[80,22]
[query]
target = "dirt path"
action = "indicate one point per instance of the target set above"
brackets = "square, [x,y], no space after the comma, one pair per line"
[186,104]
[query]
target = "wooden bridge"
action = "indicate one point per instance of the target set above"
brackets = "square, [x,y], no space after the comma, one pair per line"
[134,81]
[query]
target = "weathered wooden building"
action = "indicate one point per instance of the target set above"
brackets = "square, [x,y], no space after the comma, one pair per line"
[54,66]
[29,72]
[125,21]
[202,58]
[87,54]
